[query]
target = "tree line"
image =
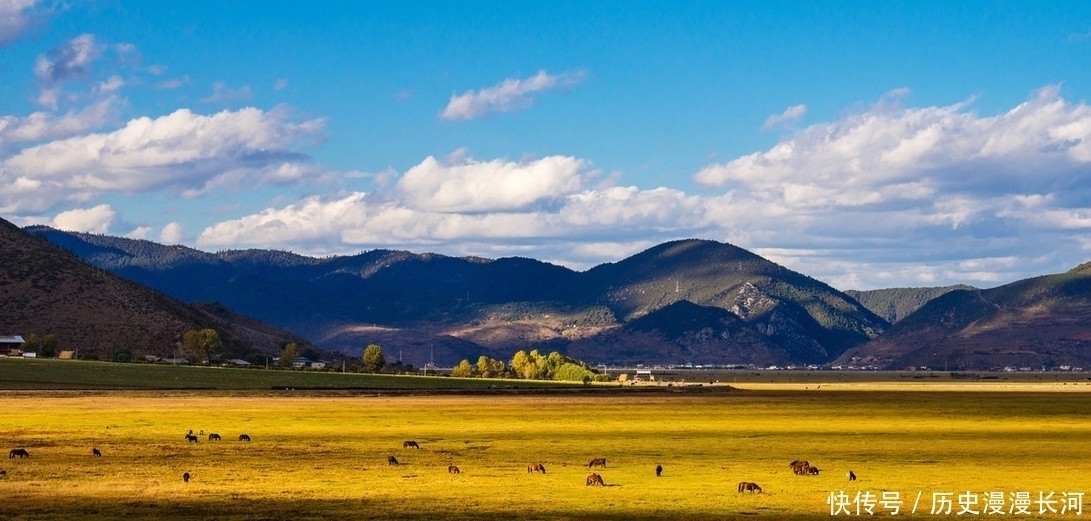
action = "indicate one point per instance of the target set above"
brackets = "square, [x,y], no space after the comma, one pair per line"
[530,366]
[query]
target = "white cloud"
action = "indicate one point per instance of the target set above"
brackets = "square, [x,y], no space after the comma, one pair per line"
[181,151]
[41,126]
[71,60]
[510,95]
[14,19]
[280,84]
[172,234]
[140,233]
[90,220]
[786,118]
[466,185]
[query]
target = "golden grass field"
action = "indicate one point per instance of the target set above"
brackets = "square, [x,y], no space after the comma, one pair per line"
[324,455]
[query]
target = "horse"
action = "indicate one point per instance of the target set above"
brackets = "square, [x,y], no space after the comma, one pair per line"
[191,438]
[451,469]
[409,444]
[535,467]
[22,453]
[658,470]
[185,477]
[852,476]
[244,437]
[597,462]
[391,460]
[749,486]
[595,479]
[96,452]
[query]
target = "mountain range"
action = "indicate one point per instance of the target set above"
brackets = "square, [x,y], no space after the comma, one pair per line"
[47,291]
[687,301]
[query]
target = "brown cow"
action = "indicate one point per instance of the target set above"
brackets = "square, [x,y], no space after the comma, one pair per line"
[595,479]
[391,460]
[95,452]
[749,486]
[244,437]
[409,444]
[536,467]
[597,462]
[451,469]
[212,436]
[22,453]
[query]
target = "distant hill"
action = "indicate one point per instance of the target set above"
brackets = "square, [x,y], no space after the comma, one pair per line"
[46,290]
[1042,321]
[894,304]
[425,307]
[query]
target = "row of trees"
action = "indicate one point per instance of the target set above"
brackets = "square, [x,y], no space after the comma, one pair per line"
[530,366]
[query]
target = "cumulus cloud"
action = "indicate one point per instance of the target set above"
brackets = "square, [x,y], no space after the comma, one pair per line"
[182,151]
[510,95]
[68,61]
[172,234]
[42,126]
[15,19]
[465,185]
[90,220]
[786,118]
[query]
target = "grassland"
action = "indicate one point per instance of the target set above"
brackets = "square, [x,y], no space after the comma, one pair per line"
[325,456]
[52,374]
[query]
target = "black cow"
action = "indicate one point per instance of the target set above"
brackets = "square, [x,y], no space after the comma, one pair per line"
[244,437]
[185,477]
[212,436]
[95,452]
[658,470]
[391,460]
[191,438]
[852,476]
[22,453]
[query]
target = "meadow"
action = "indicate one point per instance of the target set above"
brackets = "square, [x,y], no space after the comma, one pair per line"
[324,455]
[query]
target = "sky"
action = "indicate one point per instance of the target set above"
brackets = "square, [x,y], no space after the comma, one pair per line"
[865,144]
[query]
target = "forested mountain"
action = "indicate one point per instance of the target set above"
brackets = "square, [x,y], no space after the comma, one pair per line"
[738,307]
[894,304]
[45,290]
[1042,321]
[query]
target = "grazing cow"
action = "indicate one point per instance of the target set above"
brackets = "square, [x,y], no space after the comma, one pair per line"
[96,452]
[451,469]
[391,460]
[191,438]
[812,471]
[749,486]
[185,477]
[597,462]
[212,436]
[22,453]
[3,473]
[595,479]
[244,437]
[658,470]
[852,476]
[536,467]
[409,444]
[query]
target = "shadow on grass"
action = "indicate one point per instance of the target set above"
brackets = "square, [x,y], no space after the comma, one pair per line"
[321,509]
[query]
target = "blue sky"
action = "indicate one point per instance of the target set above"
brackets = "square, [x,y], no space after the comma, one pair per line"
[867,144]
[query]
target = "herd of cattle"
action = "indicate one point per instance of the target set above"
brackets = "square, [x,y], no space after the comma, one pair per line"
[799,467]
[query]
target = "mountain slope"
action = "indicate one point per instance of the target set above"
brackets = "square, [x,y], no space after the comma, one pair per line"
[894,304]
[428,305]
[1035,322]
[45,290]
